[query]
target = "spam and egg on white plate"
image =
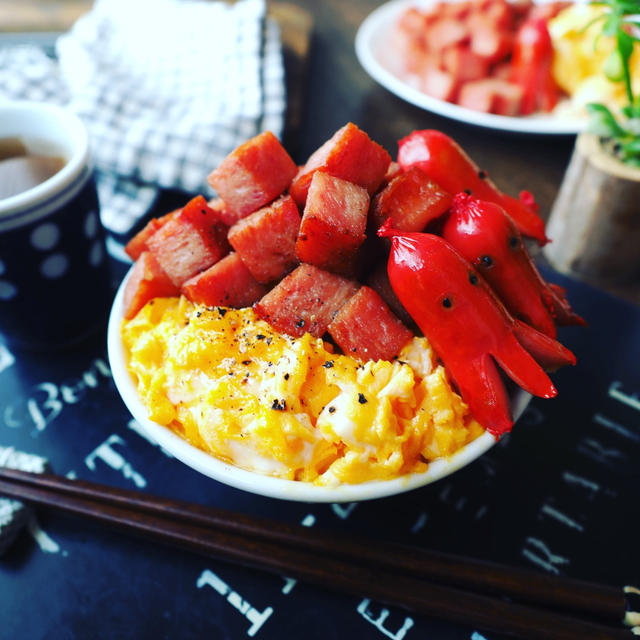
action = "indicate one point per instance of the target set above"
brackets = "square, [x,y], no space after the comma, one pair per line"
[576,68]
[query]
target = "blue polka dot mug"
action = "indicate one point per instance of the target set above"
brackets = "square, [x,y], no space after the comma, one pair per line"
[54,272]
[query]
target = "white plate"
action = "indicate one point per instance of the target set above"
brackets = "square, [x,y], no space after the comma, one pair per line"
[372,49]
[265,485]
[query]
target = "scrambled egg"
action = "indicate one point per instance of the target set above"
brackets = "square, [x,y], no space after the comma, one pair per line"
[290,407]
[579,60]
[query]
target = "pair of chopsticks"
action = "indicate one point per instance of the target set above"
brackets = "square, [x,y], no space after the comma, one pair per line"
[507,600]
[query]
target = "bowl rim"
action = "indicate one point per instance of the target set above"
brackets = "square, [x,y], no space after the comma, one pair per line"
[269,486]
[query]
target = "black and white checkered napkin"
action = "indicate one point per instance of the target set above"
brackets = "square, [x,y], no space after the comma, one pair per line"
[167,88]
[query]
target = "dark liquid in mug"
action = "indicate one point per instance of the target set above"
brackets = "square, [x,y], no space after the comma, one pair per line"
[21,170]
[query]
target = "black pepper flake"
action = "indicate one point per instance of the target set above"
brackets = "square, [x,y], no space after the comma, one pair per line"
[446,303]
[222,311]
[246,362]
[286,376]
[332,409]
[482,174]
[279,405]
[260,336]
[473,278]
[269,340]
[468,191]
[328,364]
[300,323]
[361,398]
[486,261]
[198,314]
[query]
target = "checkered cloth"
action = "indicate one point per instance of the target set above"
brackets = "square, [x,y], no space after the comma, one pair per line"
[167,88]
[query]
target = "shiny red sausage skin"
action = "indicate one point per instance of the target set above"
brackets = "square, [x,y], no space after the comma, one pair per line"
[484,235]
[468,326]
[444,161]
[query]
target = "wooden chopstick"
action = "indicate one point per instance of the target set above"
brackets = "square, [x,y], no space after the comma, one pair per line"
[526,586]
[403,576]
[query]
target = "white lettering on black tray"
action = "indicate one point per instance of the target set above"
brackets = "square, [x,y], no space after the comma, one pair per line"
[13,459]
[255,617]
[539,553]
[600,453]
[343,511]
[561,517]
[115,460]
[308,521]
[616,427]
[6,358]
[379,622]
[610,448]
[46,543]
[45,401]
[582,482]
[630,400]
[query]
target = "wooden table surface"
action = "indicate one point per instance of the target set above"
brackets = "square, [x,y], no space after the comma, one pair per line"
[337,90]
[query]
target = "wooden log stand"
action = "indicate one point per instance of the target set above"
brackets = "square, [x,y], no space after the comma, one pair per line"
[595,220]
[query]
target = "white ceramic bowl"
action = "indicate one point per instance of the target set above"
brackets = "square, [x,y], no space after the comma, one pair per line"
[265,485]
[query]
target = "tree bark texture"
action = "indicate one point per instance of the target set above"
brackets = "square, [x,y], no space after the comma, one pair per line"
[595,221]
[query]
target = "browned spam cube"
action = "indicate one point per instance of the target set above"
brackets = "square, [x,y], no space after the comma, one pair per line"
[266,239]
[393,171]
[190,242]
[305,301]
[378,280]
[225,214]
[253,175]
[227,283]
[411,200]
[138,243]
[366,328]
[349,154]
[464,64]
[333,223]
[492,95]
[146,281]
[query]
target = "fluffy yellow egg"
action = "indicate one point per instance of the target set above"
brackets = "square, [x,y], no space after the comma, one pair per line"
[289,407]
[580,54]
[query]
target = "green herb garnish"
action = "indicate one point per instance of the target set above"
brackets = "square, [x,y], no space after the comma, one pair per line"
[620,21]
